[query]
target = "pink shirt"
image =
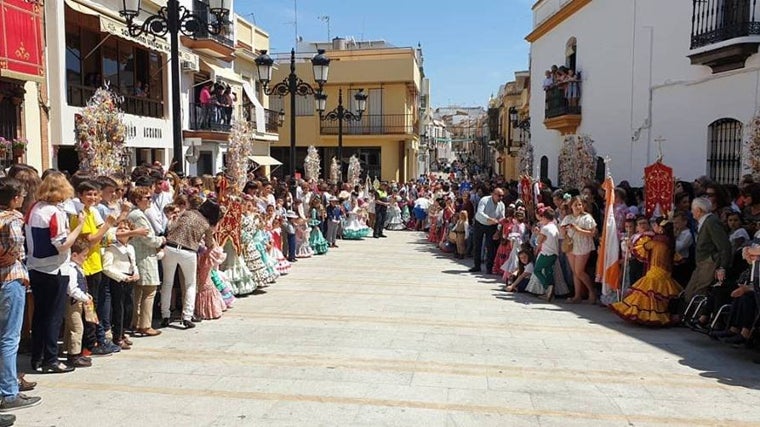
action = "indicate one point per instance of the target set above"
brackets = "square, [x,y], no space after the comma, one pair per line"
[205,96]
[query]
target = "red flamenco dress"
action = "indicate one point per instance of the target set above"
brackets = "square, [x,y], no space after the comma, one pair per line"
[443,232]
[648,299]
[505,247]
[433,232]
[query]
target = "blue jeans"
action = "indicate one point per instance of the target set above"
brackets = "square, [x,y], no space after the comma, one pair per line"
[291,246]
[98,286]
[12,299]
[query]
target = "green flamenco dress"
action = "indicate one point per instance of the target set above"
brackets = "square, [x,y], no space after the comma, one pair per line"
[316,240]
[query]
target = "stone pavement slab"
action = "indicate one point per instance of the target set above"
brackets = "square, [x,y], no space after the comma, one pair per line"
[391,332]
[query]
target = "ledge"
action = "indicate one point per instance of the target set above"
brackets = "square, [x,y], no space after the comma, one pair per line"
[726,57]
[207,135]
[566,125]
[210,46]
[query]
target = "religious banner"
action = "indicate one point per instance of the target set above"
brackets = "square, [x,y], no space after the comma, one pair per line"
[228,227]
[21,50]
[659,187]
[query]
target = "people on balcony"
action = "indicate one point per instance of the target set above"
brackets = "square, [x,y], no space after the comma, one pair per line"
[216,101]
[562,85]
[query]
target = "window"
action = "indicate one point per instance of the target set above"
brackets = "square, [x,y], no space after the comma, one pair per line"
[305,106]
[571,49]
[724,151]
[132,71]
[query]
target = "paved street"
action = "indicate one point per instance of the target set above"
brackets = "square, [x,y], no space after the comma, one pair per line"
[391,332]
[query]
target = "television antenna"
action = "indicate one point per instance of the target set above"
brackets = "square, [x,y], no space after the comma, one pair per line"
[326,19]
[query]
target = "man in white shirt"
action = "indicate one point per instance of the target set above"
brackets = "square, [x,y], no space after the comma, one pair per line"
[490,211]
[159,200]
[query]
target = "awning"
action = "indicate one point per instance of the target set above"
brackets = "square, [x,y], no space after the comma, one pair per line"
[264,160]
[258,109]
[111,25]
[227,74]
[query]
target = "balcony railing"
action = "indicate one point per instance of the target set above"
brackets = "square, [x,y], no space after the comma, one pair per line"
[271,117]
[209,117]
[201,9]
[217,118]
[561,102]
[372,124]
[77,96]
[714,21]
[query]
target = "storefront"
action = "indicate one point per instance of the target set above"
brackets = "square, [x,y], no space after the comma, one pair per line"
[90,46]
[22,76]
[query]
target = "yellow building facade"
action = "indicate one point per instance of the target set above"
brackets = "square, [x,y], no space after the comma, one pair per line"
[386,139]
[511,108]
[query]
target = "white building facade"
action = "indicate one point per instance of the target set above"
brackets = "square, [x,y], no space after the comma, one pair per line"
[89,45]
[677,75]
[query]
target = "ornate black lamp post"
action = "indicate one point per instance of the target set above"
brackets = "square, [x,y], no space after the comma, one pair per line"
[340,113]
[173,19]
[293,85]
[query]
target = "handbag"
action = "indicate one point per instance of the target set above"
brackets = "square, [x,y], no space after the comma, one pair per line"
[452,236]
[567,245]
[90,315]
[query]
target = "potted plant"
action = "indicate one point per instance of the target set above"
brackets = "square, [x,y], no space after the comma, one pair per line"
[19,147]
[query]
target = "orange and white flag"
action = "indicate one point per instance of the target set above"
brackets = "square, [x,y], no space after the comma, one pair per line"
[608,266]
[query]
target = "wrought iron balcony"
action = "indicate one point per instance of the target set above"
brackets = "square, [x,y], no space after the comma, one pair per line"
[271,117]
[557,104]
[732,26]
[714,21]
[78,95]
[563,109]
[218,45]
[372,124]
[211,118]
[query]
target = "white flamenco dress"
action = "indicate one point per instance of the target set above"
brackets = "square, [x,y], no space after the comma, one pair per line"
[394,221]
[355,228]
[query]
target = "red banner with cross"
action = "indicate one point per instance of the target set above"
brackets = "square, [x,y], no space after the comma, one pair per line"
[21,40]
[659,188]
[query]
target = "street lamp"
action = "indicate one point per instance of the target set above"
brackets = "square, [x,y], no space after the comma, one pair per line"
[173,19]
[293,85]
[340,113]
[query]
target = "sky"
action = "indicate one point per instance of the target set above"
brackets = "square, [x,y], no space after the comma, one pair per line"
[470,47]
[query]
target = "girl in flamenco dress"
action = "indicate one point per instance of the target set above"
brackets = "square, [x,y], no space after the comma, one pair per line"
[316,240]
[208,302]
[648,300]
[395,221]
[435,213]
[236,268]
[303,249]
[505,244]
[449,211]
[263,243]
[275,251]
[517,236]
[250,253]
[355,227]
